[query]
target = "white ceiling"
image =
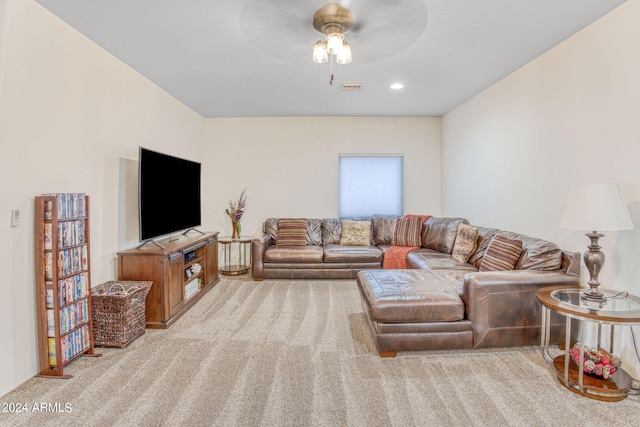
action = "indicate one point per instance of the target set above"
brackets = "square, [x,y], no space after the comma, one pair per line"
[252,58]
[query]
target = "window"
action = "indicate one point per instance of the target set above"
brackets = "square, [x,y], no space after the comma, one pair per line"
[370,184]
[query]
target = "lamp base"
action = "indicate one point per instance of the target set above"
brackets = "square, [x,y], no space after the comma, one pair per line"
[594,260]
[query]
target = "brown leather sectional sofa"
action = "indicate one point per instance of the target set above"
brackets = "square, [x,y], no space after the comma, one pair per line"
[437,303]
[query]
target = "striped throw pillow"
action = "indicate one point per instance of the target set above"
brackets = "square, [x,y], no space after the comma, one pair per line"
[292,232]
[502,254]
[407,232]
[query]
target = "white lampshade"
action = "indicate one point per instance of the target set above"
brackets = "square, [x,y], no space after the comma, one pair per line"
[596,207]
[334,42]
[320,52]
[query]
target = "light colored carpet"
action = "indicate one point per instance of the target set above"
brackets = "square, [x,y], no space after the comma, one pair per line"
[299,353]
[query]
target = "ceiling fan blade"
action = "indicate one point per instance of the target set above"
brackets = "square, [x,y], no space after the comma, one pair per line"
[279,28]
[376,34]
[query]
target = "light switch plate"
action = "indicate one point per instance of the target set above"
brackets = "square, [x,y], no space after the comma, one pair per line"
[15,217]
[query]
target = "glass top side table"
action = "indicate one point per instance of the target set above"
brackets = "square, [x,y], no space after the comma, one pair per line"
[236,255]
[616,305]
[620,309]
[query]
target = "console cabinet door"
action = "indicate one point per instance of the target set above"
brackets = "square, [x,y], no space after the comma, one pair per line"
[212,262]
[173,281]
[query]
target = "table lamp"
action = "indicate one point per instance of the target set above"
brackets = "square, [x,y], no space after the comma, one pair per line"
[594,207]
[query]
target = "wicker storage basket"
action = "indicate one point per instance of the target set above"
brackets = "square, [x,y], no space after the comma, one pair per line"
[119,314]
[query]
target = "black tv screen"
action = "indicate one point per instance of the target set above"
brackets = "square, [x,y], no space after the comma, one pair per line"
[169,194]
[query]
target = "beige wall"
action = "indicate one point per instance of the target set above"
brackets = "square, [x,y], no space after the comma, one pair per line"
[508,156]
[569,117]
[71,120]
[290,165]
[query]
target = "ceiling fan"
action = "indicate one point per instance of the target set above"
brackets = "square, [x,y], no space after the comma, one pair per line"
[378,29]
[332,20]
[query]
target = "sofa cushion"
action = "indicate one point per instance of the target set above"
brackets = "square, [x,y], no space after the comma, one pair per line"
[355,233]
[501,254]
[407,232]
[351,254]
[314,231]
[465,244]
[429,259]
[293,254]
[410,296]
[439,233]
[537,254]
[383,228]
[331,231]
[292,232]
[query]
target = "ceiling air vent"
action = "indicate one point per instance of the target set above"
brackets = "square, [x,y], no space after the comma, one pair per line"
[351,86]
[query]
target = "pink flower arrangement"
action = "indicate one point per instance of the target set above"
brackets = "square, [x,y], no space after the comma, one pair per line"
[236,209]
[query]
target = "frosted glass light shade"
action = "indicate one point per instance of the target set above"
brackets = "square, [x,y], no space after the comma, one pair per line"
[596,207]
[334,42]
[320,52]
[344,54]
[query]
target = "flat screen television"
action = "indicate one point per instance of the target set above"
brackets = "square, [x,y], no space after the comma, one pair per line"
[168,194]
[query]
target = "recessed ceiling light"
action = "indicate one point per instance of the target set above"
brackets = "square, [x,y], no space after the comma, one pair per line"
[397,86]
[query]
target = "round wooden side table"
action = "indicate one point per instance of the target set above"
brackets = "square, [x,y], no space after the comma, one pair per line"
[236,255]
[618,309]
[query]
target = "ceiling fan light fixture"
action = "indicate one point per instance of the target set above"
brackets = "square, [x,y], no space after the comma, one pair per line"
[320,54]
[335,42]
[332,20]
[344,54]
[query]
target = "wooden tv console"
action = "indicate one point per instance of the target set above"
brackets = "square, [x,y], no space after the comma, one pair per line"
[177,284]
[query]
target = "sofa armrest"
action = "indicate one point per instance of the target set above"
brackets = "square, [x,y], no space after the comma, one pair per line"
[503,308]
[258,247]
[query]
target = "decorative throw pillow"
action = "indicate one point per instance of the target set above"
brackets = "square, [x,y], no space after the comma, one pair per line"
[502,254]
[270,227]
[356,233]
[331,230]
[407,232]
[466,242]
[314,232]
[292,232]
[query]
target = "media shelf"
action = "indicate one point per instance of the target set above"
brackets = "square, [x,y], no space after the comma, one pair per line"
[193,271]
[63,286]
[182,271]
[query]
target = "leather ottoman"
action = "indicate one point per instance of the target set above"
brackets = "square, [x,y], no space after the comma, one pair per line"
[413,310]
